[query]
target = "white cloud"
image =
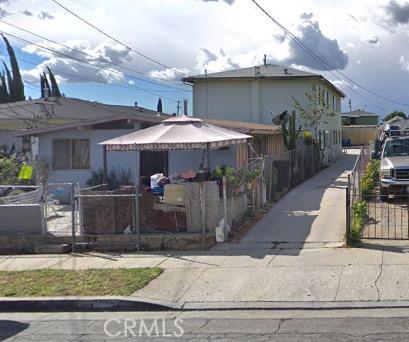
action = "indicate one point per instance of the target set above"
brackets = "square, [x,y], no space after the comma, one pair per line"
[214,62]
[404,63]
[168,74]
[230,2]
[45,15]
[341,84]
[69,70]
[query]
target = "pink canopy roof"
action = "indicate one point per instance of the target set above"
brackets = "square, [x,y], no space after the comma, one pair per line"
[177,133]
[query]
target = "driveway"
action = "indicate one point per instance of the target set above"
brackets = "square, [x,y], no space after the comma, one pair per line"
[313,212]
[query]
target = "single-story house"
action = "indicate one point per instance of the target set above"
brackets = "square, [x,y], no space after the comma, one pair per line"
[359,118]
[71,150]
[359,127]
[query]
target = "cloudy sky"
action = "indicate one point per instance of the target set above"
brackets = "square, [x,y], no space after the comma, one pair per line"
[367,40]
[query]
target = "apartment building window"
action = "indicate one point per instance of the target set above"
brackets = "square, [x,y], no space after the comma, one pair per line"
[71,154]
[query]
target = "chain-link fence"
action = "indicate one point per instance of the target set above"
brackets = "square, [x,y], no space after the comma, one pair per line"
[359,170]
[61,212]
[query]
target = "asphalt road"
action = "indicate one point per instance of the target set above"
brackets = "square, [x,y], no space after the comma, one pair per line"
[313,325]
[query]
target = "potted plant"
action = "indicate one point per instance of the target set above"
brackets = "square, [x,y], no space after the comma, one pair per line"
[253,178]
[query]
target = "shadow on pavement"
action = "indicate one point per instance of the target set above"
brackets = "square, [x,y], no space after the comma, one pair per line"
[11,328]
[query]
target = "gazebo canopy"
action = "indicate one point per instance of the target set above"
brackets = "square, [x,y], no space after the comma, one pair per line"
[177,133]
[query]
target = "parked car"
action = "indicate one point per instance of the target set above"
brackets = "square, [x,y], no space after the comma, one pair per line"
[394,169]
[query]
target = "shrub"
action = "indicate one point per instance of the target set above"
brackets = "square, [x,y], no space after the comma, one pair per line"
[371,176]
[360,214]
[309,138]
[9,169]
[97,178]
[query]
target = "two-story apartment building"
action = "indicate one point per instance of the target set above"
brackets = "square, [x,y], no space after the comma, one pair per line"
[254,94]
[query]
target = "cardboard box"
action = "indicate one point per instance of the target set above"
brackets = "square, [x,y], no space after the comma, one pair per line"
[174,194]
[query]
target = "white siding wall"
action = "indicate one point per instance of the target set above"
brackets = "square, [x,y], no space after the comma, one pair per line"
[185,160]
[117,160]
[178,160]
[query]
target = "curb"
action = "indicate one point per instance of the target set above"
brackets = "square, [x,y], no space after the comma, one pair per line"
[116,304]
[82,304]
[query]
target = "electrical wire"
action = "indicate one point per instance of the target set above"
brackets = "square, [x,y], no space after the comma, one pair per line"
[94,58]
[322,61]
[79,60]
[117,40]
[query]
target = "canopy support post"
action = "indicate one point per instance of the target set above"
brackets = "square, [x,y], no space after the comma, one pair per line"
[104,164]
[207,158]
[137,227]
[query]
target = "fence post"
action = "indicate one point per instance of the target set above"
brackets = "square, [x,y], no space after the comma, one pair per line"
[73,238]
[203,210]
[348,212]
[225,204]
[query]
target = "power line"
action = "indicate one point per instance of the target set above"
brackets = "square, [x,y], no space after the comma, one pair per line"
[322,61]
[93,57]
[116,40]
[91,80]
[78,60]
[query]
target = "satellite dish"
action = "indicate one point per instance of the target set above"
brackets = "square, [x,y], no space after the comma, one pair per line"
[279,119]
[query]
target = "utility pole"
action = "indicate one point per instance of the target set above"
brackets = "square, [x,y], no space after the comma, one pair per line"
[178,108]
[350,105]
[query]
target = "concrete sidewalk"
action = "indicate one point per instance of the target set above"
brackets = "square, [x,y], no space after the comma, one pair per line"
[374,273]
[312,212]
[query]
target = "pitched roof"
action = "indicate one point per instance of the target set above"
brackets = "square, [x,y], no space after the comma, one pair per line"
[246,127]
[35,114]
[359,113]
[268,71]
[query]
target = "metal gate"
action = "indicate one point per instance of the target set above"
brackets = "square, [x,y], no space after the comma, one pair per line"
[376,217]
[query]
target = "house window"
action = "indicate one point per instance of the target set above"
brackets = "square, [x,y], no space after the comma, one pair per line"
[71,154]
[327,99]
[333,102]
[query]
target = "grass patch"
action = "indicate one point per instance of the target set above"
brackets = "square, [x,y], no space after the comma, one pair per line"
[94,282]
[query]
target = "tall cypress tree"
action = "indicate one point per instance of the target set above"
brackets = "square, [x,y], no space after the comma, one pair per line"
[9,82]
[46,86]
[17,89]
[55,90]
[159,106]
[4,94]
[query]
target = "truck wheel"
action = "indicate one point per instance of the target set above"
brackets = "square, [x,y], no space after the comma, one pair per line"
[384,196]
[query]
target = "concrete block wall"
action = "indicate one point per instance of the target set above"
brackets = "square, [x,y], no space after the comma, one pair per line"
[22,219]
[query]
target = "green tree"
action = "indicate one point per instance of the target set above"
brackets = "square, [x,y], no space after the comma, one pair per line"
[159,106]
[55,90]
[316,112]
[393,114]
[50,86]
[4,93]
[16,85]
[45,85]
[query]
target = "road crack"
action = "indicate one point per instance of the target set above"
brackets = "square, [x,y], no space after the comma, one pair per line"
[379,275]
[280,323]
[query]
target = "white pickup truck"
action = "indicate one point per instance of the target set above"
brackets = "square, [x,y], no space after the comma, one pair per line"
[394,169]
